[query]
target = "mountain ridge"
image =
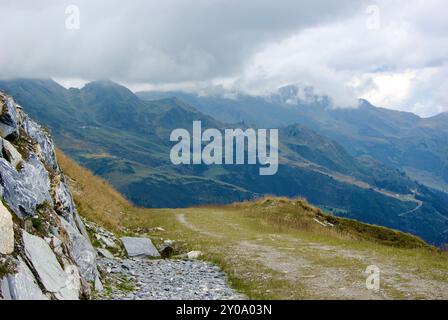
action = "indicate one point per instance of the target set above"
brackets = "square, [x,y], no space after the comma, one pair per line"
[131,151]
[401,139]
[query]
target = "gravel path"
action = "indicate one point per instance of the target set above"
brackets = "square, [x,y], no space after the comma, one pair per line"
[142,279]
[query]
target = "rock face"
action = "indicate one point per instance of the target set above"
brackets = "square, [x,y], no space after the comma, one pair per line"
[6,231]
[24,190]
[140,247]
[47,241]
[83,252]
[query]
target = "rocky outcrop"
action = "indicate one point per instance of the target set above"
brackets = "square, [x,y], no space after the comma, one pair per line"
[45,251]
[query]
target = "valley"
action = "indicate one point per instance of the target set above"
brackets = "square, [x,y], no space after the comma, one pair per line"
[126,140]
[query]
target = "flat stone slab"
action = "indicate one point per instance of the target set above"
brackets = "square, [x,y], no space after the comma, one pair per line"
[21,285]
[64,285]
[140,247]
[6,231]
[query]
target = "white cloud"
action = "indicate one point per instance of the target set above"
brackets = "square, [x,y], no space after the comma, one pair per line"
[400,65]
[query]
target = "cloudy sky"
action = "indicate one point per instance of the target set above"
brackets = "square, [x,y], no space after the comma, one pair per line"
[392,52]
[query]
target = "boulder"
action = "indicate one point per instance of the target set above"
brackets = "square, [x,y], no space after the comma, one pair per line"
[166,251]
[52,276]
[13,156]
[82,251]
[194,254]
[140,247]
[6,231]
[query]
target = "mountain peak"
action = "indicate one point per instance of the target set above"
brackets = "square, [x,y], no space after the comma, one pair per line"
[103,84]
[109,90]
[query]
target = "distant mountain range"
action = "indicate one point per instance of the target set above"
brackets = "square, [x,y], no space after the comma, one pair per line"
[355,163]
[417,146]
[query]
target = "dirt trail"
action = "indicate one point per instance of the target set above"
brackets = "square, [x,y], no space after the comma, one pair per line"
[181,218]
[326,271]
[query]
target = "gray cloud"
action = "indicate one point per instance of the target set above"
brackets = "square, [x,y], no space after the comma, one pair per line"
[149,41]
[250,45]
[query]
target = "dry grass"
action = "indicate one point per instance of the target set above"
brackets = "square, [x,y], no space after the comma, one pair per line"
[298,214]
[95,199]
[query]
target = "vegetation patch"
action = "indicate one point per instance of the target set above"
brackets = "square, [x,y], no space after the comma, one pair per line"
[41,222]
[7,266]
[24,145]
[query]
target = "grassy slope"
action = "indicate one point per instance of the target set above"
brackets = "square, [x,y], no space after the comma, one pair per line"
[273,248]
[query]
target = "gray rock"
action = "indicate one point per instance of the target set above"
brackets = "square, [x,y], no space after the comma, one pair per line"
[63,201]
[106,241]
[23,191]
[80,225]
[194,254]
[105,253]
[46,146]
[14,157]
[51,274]
[82,251]
[166,250]
[9,120]
[6,231]
[21,285]
[65,206]
[98,285]
[140,247]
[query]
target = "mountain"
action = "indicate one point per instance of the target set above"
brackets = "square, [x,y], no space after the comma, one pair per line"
[125,139]
[45,250]
[417,146]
